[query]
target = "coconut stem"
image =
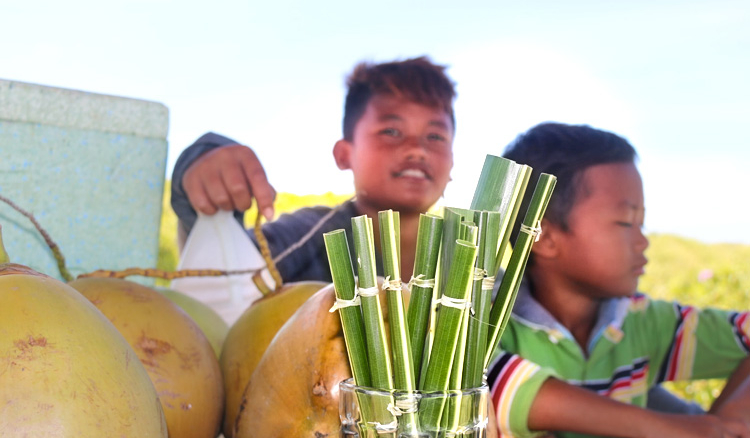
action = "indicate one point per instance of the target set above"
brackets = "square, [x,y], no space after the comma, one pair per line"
[265,251]
[165,275]
[56,253]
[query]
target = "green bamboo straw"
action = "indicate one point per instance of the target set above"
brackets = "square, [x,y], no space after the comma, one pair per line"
[378,354]
[501,186]
[348,305]
[449,318]
[478,330]
[401,347]
[372,314]
[469,233]
[506,296]
[454,299]
[495,186]
[403,365]
[452,218]
[422,283]
[509,219]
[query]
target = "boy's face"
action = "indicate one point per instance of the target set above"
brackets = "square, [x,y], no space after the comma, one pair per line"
[602,254]
[401,155]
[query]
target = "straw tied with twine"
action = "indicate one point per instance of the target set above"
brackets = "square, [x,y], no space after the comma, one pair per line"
[488,283]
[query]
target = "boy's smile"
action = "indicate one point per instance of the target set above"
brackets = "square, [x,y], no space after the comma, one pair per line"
[401,155]
[413,170]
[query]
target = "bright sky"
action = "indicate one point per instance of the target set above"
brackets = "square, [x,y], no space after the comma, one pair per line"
[671,76]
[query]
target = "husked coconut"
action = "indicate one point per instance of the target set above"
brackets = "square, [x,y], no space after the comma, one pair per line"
[212,324]
[174,351]
[65,370]
[294,389]
[249,337]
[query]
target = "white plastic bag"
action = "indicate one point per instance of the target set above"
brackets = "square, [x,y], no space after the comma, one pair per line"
[219,242]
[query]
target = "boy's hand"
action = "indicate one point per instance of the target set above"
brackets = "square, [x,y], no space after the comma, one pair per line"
[733,405]
[228,178]
[694,426]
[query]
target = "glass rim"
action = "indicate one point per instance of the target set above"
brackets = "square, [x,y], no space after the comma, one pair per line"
[348,384]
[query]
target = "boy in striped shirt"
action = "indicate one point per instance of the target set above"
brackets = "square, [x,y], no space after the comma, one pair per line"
[583,348]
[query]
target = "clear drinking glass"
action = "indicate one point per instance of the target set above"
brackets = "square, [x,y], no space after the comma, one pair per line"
[374,413]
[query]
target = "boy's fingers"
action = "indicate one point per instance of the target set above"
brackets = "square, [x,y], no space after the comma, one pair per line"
[199,198]
[262,190]
[265,200]
[214,185]
[237,187]
[228,178]
[203,184]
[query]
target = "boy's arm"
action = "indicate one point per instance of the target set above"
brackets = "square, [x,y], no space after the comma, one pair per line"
[216,173]
[734,401]
[719,342]
[559,406]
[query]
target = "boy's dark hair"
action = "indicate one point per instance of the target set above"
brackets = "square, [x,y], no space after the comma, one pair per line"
[417,80]
[565,151]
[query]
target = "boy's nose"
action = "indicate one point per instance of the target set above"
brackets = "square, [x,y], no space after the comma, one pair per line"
[641,240]
[415,147]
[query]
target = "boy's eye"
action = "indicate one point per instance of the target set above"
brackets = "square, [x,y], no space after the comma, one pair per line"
[630,224]
[436,137]
[392,132]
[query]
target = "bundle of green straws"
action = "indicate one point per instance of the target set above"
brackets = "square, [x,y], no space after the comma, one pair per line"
[444,339]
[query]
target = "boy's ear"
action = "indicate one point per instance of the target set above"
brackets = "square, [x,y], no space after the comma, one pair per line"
[547,246]
[341,153]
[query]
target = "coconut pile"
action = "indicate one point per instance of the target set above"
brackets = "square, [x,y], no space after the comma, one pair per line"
[95,357]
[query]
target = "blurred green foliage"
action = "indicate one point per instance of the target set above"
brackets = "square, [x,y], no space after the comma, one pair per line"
[168,252]
[679,269]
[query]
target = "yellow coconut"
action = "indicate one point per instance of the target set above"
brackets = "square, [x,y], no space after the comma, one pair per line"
[176,354]
[65,370]
[294,389]
[213,326]
[250,335]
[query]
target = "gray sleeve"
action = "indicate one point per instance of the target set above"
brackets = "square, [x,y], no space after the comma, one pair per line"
[660,399]
[179,200]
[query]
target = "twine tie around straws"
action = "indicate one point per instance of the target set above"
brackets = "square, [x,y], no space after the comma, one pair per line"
[389,284]
[488,283]
[479,274]
[342,303]
[535,232]
[356,300]
[407,405]
[420,281]
[456,303]
[368,291]
[382,429]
